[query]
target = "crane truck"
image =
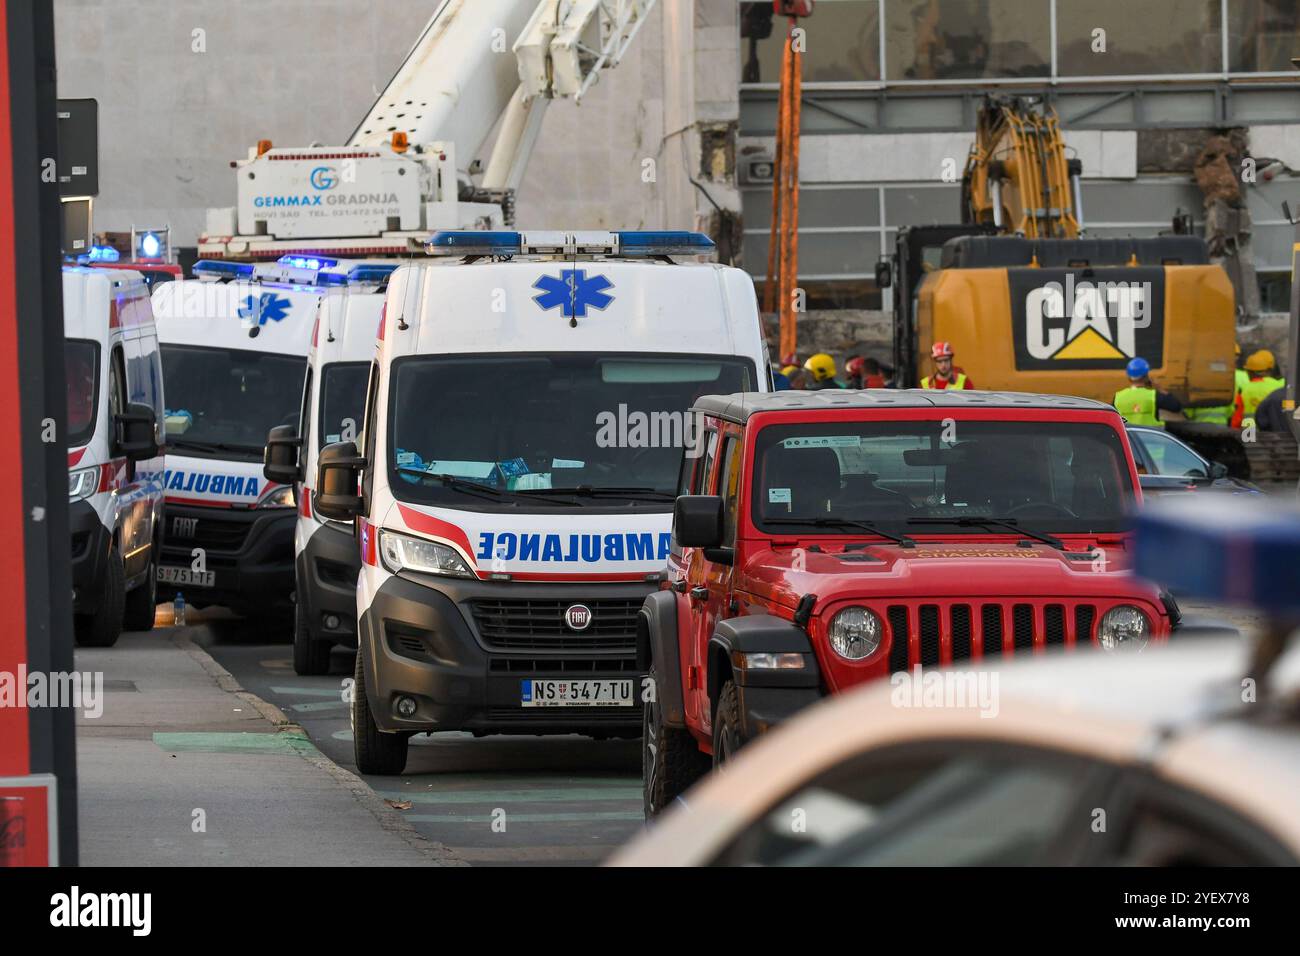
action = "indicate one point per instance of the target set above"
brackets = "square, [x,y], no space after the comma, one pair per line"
[1030,304]
[413,166]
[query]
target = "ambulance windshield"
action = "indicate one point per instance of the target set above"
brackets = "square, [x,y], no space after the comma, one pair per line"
[342,401]
[922,477]
[549,429]
[222,402]
[81,362]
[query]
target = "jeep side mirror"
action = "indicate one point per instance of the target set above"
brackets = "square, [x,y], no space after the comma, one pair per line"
[137,432]
[1218,470]
[337,473]
[697,521]
[884,274]
[280,457]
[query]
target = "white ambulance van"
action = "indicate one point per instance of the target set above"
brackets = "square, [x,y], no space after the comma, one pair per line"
[513,489]
[326,560]
[115,409]
[234,354]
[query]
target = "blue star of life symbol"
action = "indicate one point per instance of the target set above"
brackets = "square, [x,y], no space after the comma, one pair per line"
[573,292]
[266,306]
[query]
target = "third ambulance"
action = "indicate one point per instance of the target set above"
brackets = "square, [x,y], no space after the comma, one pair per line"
[525,416]
[326,562]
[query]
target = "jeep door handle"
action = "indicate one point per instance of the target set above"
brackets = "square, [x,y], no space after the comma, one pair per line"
[699,593]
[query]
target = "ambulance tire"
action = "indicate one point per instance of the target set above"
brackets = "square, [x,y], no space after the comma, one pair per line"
[138,611]
[670,759]
[376,753]
[310,658]
[727,735]
[104,626]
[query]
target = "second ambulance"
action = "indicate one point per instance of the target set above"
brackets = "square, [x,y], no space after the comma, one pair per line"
[525,415]
[234,353]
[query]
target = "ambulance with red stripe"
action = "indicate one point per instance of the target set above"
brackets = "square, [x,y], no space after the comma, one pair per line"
[326,560]
[114,407]
[234,355]
[513,486]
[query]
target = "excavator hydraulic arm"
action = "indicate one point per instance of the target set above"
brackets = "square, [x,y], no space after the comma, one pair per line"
[1018,178]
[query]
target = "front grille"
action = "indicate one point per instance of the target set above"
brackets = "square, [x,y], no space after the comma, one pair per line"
[561,666]
[210,533]
[539,625]
[932,622]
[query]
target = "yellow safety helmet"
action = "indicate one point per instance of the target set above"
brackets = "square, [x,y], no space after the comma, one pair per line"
[1261,361]
[821,365]
[789,370]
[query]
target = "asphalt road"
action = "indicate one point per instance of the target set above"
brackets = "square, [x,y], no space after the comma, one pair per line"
[491,800]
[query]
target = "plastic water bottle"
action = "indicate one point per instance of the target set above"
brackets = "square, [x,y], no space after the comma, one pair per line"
[178,610]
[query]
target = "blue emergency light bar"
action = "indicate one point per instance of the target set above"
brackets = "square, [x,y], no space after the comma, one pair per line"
[220,269]
[1221,548]
[315,263]
[370,273]
[467,242]
[101,254]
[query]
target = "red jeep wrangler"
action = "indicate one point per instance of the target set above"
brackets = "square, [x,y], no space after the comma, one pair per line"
[826,538]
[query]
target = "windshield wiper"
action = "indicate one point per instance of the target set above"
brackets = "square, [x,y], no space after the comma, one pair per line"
[612,491]
[475,489]
[902,539]
[967,521]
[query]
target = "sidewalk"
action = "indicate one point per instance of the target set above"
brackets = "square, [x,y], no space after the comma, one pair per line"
[178,742]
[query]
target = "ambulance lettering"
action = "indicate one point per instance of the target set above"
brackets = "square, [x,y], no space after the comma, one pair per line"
[574,548]
[195,482]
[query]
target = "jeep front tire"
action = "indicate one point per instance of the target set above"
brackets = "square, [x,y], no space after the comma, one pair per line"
[670,759]
[727,736]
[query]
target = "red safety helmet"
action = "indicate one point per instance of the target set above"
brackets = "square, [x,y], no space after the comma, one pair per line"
[854,365]
[941,350]
[793,8]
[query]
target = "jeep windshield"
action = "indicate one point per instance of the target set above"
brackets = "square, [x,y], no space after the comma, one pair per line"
[222,402]
[342,401]
[548,429]
[942,477]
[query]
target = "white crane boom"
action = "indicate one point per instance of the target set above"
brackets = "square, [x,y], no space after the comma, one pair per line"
[407,168]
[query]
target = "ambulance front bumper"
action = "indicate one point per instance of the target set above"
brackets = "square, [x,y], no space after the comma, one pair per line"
[462,650]
[327,572]
[248,552]
[90,544]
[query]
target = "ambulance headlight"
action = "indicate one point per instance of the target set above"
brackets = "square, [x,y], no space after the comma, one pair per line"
[82,483]
[281,497]
[399,551]
[855,633]
[1124,628]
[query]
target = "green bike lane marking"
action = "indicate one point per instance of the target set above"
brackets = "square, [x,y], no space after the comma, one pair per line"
[234,743]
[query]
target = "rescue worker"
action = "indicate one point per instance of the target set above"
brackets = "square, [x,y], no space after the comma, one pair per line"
[1141,403]
[1262,381]
[946,375]
[793,374]
[853,371]
[821,372]
[864,373]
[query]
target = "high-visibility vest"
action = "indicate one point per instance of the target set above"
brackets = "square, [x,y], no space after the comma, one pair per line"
[1215,416]
[958,382]
[1138,406]
[1256,390]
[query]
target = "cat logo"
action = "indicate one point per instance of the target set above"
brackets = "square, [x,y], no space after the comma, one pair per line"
[1065,322]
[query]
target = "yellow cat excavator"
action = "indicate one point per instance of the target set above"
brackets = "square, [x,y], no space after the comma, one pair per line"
[1030,305]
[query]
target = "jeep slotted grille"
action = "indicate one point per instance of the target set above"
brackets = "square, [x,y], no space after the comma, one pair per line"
[931,633]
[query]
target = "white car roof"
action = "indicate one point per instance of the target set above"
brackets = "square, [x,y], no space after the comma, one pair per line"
[1162,708]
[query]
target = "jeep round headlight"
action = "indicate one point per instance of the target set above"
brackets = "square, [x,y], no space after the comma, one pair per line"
[855,633]
[1124,628]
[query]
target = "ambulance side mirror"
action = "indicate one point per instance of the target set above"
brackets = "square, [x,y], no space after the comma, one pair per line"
[137,432]
[337,472]
[280,457]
